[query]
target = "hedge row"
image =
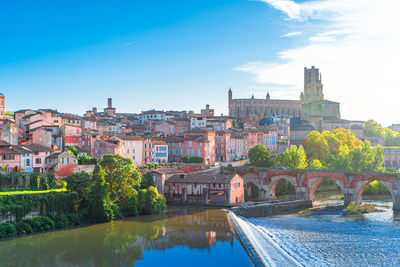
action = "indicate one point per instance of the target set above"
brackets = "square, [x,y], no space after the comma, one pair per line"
[33,181]
[16,207]
[192,159]
[39,224]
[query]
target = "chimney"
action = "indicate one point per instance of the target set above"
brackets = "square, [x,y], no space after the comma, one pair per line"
[94,110]
[110,103]
[207,106]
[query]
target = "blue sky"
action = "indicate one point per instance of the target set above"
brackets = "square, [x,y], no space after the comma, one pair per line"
[72,55]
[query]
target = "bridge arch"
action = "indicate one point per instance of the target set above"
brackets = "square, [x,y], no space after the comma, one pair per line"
[314,182]
[251,177]
[361,185]
[251,191]
[274,182]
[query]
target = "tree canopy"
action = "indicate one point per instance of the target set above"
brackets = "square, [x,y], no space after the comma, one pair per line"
[294,157]
[316,147]
[115,189]
[260,156]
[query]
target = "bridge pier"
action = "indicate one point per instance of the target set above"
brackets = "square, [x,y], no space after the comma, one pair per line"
[348,198]
[396,201]
[301,192]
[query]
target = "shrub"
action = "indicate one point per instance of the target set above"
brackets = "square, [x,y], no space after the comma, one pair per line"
[153,201]
[131,207]
[7,230]
[34,182]
[192,159]
[43,183]
[75,218]
[63,184]
[51,180]
[23,228]
[61,221]
[40,223]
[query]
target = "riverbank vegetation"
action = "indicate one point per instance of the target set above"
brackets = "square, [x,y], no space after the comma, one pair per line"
[114,190]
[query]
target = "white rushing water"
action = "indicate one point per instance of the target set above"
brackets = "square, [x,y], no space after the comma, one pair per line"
[267,246]
[326,239]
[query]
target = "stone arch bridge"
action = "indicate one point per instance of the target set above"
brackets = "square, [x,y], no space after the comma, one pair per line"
[306,182]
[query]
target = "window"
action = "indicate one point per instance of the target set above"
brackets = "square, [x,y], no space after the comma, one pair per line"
[38,161]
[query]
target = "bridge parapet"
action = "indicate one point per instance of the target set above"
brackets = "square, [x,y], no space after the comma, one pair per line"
[306,181]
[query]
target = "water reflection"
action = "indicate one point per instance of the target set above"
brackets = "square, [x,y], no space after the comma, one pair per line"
[122,243]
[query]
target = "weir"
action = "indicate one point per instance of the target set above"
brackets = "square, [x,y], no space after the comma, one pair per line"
[262,246]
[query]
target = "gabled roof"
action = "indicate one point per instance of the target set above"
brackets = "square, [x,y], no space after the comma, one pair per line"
[128,137]
[38,148]
[203,177]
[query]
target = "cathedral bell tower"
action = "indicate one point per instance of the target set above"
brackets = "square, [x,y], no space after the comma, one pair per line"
[313,88]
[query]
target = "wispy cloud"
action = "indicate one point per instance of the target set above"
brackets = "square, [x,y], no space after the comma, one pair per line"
[290,34]
[129,43]
[355,44]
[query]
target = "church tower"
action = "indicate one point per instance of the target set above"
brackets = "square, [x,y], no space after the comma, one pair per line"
[313,88]
[2,107]
[230,102]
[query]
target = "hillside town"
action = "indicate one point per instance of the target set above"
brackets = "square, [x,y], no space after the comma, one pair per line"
[38,141]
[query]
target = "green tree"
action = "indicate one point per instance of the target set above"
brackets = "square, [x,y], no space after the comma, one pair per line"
[366,159]
[260,156]
[100,206]
[147,180]
[80,182]
[73,151]
[316,147]
[373,129]
[340,137]
[341,162]
[120,175]
[294,157]
[84,159]
[315,165]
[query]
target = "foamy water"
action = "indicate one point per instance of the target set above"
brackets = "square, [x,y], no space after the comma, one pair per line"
[327,240]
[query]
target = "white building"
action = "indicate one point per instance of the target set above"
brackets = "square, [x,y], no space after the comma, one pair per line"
[159,152]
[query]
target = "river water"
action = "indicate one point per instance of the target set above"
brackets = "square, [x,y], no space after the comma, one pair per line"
[329,239]
[180,237]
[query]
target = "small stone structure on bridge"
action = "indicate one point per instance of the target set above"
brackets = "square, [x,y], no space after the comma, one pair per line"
[306,182]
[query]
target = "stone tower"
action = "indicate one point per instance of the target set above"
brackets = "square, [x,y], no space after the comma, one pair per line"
[2,106]
[230,96]
[313,88]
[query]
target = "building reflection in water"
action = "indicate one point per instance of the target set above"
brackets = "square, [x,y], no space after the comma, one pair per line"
[123,242]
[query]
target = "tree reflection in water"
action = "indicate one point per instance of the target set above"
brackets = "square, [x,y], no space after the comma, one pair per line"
[121,242]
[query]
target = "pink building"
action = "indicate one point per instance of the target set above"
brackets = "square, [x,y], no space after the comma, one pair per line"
[199,143]
[181,125]
[165,127]
[129,146]
[10,157]
[89,139]
[147,151]
[61,164]
[40,153]
[205,187]
[72,135]
[222,143]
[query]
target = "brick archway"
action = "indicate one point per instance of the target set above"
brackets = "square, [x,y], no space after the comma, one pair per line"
[251,177]
[313,183]
[273,183]
[361,185]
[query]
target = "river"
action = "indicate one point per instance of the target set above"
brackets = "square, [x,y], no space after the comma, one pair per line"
[179,237]
[329,239]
